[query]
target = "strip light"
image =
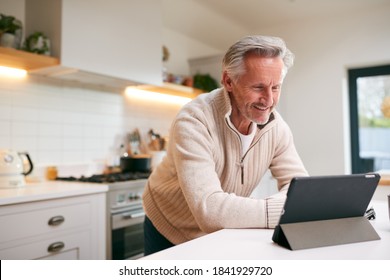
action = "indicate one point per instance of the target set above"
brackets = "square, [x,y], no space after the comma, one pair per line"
[12,72]
[156,97]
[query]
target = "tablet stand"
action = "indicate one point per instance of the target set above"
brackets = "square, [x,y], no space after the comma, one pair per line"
[305,235]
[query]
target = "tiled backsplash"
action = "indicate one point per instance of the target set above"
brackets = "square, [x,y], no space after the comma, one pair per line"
[60,123]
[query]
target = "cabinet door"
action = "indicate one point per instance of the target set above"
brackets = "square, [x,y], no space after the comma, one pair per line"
[118,38]
[73,227]
[71,246]
[45,220]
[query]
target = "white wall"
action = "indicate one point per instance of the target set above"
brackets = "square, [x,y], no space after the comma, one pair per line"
[181,49]
[315,97]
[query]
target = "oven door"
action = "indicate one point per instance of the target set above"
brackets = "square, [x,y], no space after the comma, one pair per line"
[127,236]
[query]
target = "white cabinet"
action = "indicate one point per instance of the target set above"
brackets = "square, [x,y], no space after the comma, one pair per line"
[112,39]
[65,228]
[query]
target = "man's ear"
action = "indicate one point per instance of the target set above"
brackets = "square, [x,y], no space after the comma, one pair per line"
[227,81]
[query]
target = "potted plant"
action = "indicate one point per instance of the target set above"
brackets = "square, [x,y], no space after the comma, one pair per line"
[205,82]
[10,31]
[37,43]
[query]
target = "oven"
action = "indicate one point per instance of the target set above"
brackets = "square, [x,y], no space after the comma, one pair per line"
[126,217]
[124,212]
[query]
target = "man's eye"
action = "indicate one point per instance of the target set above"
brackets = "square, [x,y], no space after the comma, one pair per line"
[276,88]
[259,88]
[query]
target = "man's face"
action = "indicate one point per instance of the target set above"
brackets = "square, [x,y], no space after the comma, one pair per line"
[256,93]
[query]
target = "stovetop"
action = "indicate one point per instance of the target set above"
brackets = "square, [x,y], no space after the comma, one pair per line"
[107,178]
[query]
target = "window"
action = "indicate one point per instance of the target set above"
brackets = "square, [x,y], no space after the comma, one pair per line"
[369,101]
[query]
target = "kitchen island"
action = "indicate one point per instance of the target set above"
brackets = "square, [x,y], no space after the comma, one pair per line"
[257,244]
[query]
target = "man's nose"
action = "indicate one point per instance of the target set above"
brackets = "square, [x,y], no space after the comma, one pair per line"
[267,97]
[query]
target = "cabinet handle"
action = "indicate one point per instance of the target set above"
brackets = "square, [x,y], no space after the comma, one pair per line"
[56,220]
[55,247]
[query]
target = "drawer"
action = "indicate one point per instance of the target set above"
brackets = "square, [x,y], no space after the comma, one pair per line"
[42,220]
[71,246]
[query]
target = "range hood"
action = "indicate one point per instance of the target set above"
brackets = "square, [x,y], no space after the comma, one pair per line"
[114,44]
[84,77]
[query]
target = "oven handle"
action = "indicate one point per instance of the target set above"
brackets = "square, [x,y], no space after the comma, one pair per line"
[125,219]
[132,215]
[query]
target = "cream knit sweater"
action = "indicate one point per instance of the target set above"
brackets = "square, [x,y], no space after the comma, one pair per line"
[204,182]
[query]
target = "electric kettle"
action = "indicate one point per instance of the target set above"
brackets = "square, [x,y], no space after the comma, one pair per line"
[12,169]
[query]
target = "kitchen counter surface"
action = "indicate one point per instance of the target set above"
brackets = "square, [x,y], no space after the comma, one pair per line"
[48,190]
[239,244]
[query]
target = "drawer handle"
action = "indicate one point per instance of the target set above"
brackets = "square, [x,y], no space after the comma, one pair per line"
[57,220]
[55,247]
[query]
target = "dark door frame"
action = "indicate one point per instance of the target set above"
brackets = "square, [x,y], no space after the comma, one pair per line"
[359,165]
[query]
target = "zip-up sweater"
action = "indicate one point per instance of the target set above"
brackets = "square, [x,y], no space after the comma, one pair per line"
[205,182]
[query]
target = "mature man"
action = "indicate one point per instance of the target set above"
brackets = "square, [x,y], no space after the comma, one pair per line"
[221,144]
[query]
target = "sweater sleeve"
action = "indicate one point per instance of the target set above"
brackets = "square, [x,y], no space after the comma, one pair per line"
[274,206]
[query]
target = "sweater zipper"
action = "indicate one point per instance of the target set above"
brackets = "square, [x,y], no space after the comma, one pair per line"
[243,156]
[242,171]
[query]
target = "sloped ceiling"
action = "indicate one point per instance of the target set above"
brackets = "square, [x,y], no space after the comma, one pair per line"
[218,22]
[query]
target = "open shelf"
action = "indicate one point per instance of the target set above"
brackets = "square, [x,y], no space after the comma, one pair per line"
[24,60]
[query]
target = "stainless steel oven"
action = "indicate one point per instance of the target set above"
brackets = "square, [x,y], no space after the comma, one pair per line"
[126,217]
[124,212]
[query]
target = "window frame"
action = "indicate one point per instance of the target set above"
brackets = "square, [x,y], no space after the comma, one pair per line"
[357,163]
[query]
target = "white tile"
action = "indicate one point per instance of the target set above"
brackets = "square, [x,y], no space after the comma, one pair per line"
[5,112]
[5,142]
[72,130]
[49,129]
[70,144]
[73,117]
[91,143]
[93,131]
[24,128]
[73,156]
[68,124]
[51,116]
[24,143]
[74,104]
[25,99]
[50,143]
[96,154]
[24,113]
[5,128]
[49,157]
[5,97]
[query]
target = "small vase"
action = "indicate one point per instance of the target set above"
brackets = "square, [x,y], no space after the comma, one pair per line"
[8,40]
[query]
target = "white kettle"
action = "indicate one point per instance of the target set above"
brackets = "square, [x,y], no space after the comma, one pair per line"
[12,168]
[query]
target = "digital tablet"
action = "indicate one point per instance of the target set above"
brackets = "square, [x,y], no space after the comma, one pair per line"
[316,198]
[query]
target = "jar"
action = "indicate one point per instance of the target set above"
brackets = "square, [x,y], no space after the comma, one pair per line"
[51,173]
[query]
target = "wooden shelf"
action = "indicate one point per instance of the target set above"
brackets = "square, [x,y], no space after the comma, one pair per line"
[172,89]
[24,60]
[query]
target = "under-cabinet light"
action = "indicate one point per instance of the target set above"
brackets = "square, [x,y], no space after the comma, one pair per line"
[156,97]
[12,72]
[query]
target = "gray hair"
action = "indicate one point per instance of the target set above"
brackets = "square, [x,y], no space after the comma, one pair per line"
[265,46]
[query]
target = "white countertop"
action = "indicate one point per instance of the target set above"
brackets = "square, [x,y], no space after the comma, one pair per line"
[240,244]
[48,190]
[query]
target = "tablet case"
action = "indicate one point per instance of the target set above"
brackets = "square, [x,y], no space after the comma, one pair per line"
[326,211]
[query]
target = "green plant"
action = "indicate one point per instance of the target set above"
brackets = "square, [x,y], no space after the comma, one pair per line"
[37,43]
[205,82]
[8,24]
